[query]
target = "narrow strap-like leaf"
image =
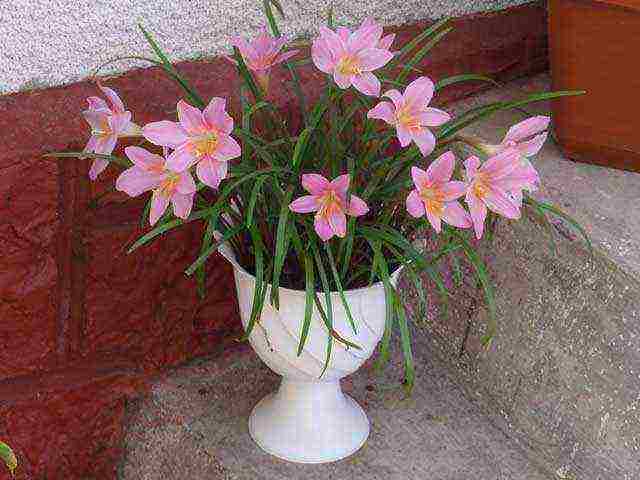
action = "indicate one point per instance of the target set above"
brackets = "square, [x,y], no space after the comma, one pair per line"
[336,279]
[260,290]
[212,249]
[8,457]
[309,295]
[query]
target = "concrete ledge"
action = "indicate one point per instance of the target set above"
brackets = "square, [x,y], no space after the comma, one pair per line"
[563,373]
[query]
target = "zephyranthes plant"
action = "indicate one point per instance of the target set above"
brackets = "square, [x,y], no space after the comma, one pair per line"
[337,202]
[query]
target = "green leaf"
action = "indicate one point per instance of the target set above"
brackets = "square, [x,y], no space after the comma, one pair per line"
[336,278]
[405,342]
[428,32]
[475,114]
[300,146]
[421,54]
[381,265]
[547,207]
[212,249]
[8,457]
[169,68]
[485,282]
[254,198]
[260,291]
[309,295]
[327,298]
[282,245]
[159,230]
[469,77]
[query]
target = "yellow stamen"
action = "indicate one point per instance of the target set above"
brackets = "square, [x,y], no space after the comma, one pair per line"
[205,145]
[349,65]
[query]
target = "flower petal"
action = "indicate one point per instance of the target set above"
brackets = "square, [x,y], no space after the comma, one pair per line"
[454,214]
[159,204]
[343,33]
[420,91]
[106,144]
[498,201]
[477,211]
[420,178]
[425,140]
[434,220]
[322,227]
[533,146]
[357,207]
[366,36]
[433,117]
[119,123]
[190,118]
[373,58]
[471,166]
[181,159]
[165,133]
[322,56]
[338,222]
[216,116]
[340,184]
[441,168]
[284,56]
[135,181]
[453,190]
[305,204]
[414,203]
[186,185]
[383,111]
[227,149]
[386,41]
[114,100]
[502,164]
[211,172]
[404,135]
[343,81]
[367,83]
[182,204]
[97,167]
[98,120]
[527,128]
[314,183]
[144,159]
[395,96]
[333,42]
[97,103]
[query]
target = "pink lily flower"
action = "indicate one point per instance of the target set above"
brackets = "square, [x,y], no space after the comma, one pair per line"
[200,138]
[329,200]
[109,121]
[262,53]
[489,184]
[436,195]
[151,172]
[527,137]
[411,115]
[352,57]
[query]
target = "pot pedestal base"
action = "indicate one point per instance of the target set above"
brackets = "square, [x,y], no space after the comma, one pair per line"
[309,422]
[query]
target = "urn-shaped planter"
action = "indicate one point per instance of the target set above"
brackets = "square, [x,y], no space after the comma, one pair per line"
[309,419]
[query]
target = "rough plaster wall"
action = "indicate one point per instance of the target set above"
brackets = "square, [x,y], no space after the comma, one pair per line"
[51,42]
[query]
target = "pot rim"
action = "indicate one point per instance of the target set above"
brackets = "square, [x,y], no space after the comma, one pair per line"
[226,251]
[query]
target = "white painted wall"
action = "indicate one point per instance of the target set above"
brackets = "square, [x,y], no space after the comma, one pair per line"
[51,42]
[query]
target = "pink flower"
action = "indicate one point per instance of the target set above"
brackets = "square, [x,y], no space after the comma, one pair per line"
[200,138]
[263,53]
[152,172]
[488,186]
[411,115]
[109,121]
[329,200]
[435,195]
[351,57]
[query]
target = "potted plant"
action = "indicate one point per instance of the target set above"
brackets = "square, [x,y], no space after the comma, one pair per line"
[319,221]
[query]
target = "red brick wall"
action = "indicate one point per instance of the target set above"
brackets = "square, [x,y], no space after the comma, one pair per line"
[82,323]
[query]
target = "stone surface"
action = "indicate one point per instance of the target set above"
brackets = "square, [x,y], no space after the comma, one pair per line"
[563,371]
[47,43]
[194,425]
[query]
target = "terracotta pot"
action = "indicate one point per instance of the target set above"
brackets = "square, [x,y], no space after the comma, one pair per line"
[594,47]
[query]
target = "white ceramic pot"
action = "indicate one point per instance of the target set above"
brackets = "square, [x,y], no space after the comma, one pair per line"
[308,419]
